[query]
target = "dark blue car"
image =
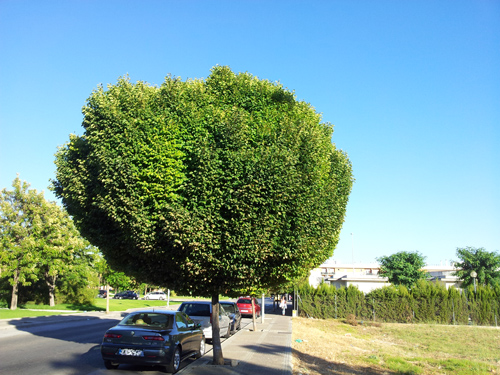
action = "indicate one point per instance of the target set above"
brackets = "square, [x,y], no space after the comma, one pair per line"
[153,337]
[129,294]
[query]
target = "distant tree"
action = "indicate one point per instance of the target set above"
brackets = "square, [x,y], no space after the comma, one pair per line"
[116,279]
[38,239]
[403,268]
[77,284]
[61,248]
[18,209]
[485,264]
[206,186]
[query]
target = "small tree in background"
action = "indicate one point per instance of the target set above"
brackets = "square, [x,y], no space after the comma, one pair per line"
[403,268]
[485,264]
[39,241]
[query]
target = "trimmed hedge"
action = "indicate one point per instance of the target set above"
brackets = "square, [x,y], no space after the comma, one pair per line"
[426,302]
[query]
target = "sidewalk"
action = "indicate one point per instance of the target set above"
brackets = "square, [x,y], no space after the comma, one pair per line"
[267,351]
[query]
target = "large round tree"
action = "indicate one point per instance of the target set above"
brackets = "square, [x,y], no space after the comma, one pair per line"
[205,186]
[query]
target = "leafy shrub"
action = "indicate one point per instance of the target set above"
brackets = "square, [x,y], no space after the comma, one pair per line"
[351,319]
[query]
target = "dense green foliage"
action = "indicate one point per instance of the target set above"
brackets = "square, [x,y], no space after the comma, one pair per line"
[403,268]
[485,264]
[205,186]
[41,251]
[426,302]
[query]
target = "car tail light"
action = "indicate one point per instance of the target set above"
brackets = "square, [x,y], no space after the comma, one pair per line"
[153,338]
[112,336]
[210,318]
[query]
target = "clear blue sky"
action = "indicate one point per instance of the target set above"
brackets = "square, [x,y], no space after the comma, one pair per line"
[412,87]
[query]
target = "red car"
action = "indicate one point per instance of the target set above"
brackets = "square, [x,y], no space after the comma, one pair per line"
[245,306]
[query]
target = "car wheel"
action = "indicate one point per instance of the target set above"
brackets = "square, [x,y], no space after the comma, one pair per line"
[201,350]
[175,361]
[146,298]
[111,365]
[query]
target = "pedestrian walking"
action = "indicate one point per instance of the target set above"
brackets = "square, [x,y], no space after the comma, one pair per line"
[283,305]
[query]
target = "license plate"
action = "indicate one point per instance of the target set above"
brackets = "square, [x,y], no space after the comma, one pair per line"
[131,352]
[244,310]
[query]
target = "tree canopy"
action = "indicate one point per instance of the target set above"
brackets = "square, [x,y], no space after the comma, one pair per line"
[205,186]
[38,241]
[403,268]
[485,264]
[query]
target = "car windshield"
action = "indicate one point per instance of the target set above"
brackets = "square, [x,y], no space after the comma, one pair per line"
[162,321]
[245,301]
[195,309]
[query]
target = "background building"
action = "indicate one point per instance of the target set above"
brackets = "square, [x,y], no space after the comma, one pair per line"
[366,278]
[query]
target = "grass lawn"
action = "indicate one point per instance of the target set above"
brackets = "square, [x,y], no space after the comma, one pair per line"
[125,304]
[333,347]
[26,310]
[21,313]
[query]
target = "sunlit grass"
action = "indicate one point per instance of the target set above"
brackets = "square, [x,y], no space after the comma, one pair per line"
[402,349]
[125,304]
[31,309]
[20,313]
[99,304]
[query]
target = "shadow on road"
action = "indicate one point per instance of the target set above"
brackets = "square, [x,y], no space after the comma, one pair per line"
[80,329]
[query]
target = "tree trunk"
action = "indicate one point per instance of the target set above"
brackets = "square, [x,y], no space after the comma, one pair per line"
[51,283]
[15,290]
[218,358]
[107,298]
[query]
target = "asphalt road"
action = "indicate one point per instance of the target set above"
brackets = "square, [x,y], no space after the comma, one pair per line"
[71,348]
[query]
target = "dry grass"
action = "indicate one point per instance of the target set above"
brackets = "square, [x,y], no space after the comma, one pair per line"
[334,347]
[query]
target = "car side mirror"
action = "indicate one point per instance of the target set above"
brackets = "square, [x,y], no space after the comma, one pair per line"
[198,325]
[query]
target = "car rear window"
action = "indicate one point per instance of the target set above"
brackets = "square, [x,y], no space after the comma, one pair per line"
[195,309]
[245,300]
[163,321]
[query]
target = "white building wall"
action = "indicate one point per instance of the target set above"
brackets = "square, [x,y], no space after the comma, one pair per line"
[365,276]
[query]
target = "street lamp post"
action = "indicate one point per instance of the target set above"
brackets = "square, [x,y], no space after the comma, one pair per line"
[352,247]
[473,274]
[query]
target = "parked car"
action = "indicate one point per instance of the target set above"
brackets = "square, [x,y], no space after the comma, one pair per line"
[102,294]
[233,311]
[201,312]
[156,295]
[153,337]
[245,306]
[126,295]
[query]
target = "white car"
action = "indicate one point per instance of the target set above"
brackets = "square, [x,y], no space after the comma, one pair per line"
[156,295]
[201,312]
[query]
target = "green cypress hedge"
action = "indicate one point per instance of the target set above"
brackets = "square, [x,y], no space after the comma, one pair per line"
[426,302]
